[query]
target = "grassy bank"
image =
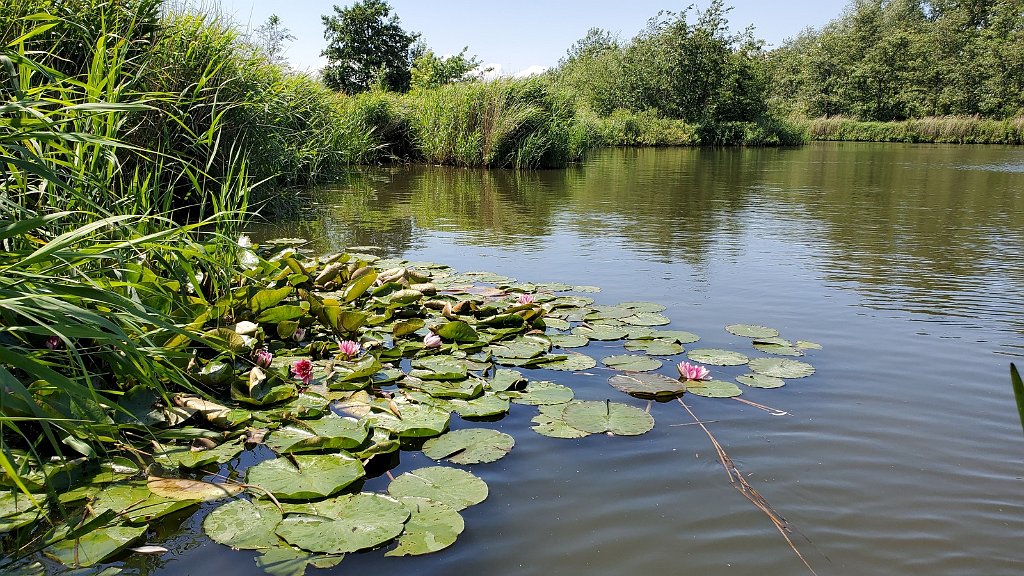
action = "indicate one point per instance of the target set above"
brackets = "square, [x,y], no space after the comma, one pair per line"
[934,129]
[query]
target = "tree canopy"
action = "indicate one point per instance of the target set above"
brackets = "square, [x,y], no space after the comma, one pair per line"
[366,45]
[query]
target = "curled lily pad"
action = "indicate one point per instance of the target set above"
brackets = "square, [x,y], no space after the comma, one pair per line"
[717,357]
[573,362]
[469,446]
[242,524]
[309,477]
[345,524]
[433,526]
[713,388]
[95,546]
[755,380]
[539,393]
[781,367]
[194,490]
[657,347]
[613,417]
[648,386]
[135,503]
[631,363]
[456,488]
[458,331]
[505,379]
[751,331]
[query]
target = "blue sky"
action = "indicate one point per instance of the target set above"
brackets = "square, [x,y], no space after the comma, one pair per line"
[519,35]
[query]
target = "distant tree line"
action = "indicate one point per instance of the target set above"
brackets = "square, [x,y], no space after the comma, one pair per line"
[899,59]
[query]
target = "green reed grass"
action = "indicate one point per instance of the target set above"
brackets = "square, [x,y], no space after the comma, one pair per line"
[932,129]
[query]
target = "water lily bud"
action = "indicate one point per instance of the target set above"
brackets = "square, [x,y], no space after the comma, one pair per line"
[431,341]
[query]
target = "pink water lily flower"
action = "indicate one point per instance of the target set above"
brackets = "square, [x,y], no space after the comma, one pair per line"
[526,298]
[299,335]
[348,349]
[693,371]
[431,341]
[303,370]
[263,358]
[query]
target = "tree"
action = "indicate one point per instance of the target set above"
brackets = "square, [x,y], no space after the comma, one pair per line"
[430,71]
[271,37]
[366,45]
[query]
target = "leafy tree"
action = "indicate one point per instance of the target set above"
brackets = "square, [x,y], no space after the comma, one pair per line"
[271,38]
[366,45]
[430,71]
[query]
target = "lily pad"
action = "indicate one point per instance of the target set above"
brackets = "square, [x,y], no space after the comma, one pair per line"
[95,546]
[631,363]
[658,347]
[573,362]
[309,477]
[755,380]
[456,488]
[505,379]
[613,417]
[681,336]
[557,323]
[568,340]
[717,357]
[16,510]
[805,345]
[288,561]
[412,420]
[464,389]
[646,319]
[781,367]
[648,386]
[242,524]
[643,306]
[458,331]
[539,393]
[345,524]
[778,349]
[328,433]
[550,423]
[186,457]
[194,490]
[600,332]
[485,406]
[433,526]
[135,503]
[713,388]
[469,446]
[751,331]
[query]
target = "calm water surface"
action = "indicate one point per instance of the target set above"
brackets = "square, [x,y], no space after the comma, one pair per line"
[901,455]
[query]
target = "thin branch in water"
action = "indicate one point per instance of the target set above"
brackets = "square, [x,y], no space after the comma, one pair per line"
[748,491]
[694,423]
[768,409]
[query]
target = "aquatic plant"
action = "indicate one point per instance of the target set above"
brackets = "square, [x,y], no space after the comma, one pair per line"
[689,371]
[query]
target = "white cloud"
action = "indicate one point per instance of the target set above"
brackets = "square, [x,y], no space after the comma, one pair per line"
[489,70]
[531,71]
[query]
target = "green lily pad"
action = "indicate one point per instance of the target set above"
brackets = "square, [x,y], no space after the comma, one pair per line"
[310,477]
[557,323]
[631,363]
[755,380]
[244,525]
[805,345]
[433,526]
[648,386]
[346,371]
[469,446]
[186,457]
[751,331]
[657,347]
[781,367]
[523,347]
[413,420]
[16,510]
[328,433]
[568,340]
[505,379]
[135,503]
[680,336]
[777,349]
[345,524]
[609,313]
[643,306]
[717,357]
[573,362]
[550,423]
[613,417]
[288,561]
[646,319]
[191,490]
[96,546]
[539,393]
[485,406]
[713,388]
[456,488]
[600,332]
[464,389]
[458,331]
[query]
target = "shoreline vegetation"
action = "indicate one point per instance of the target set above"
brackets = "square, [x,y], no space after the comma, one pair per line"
[136,140]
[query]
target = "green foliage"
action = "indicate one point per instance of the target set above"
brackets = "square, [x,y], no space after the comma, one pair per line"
[901,59]
[430,71]
[366,45]
[271,37]
[941,129]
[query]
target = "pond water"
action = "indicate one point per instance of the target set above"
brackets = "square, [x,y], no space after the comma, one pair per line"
[903,453]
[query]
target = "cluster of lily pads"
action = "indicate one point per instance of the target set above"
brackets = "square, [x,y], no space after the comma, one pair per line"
[335,364]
